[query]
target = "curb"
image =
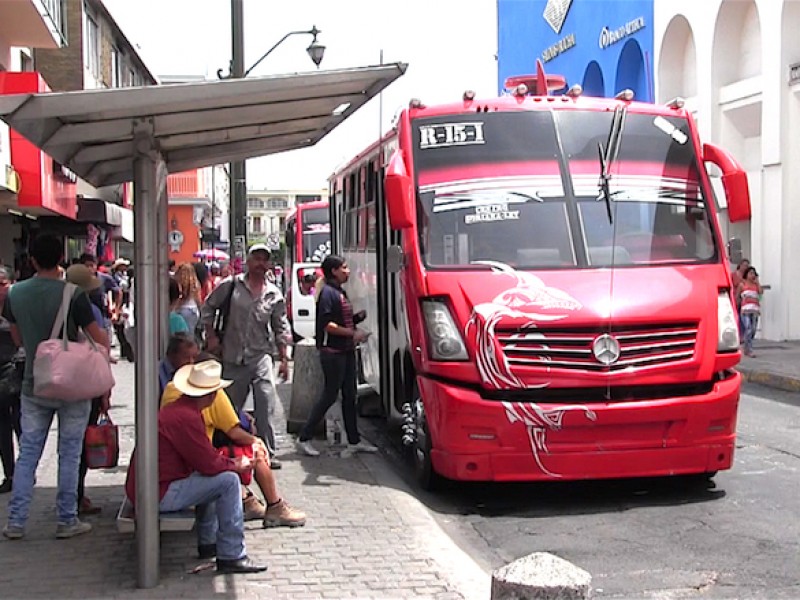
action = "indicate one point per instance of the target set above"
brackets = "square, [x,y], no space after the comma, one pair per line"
[771,380]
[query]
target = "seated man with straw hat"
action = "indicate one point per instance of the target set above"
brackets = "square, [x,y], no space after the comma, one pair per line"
[193,473]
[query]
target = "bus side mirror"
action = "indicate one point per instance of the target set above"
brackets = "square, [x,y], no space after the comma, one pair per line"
[734,182]
[399,193]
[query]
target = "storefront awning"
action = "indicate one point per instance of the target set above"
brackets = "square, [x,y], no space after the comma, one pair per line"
[94,210]
[194,125]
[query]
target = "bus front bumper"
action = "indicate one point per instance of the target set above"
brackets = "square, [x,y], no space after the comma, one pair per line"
[490,440]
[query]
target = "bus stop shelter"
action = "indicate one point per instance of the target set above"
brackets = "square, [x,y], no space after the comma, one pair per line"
[141,134]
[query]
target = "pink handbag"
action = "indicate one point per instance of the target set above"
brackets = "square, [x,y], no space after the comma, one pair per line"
[64,370]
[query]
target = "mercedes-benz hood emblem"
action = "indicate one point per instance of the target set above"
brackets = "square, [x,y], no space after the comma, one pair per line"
[606,349]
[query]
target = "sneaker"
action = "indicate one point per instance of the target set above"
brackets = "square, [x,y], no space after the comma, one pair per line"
[283,515]
[13,532]
[68,531]
[362,446]
[275,464]
[253,508]
[307,448]
[6,486]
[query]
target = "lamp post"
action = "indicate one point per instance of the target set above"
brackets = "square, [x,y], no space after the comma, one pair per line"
[238,194]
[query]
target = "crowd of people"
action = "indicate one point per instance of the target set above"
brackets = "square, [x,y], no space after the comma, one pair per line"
[229,338]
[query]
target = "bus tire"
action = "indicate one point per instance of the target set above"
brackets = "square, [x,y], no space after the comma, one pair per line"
[424,473]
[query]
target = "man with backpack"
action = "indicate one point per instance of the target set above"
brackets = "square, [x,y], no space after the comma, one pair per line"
[245,323]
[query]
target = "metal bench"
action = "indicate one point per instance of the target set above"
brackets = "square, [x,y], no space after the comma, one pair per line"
[168,521]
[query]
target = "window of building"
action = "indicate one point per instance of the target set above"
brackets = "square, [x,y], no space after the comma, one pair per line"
[116,68]
[92,48]
[255,203]
[257,226]
[278,203]
[25,61]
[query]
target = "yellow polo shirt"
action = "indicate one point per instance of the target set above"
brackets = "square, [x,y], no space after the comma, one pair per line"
[220,415]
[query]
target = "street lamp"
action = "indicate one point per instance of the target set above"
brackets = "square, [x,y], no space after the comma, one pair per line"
[316,52]
[238,175]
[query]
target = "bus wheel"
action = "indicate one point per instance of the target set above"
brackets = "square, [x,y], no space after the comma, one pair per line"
[425,474]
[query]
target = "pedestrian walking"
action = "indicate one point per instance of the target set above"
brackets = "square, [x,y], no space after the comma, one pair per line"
[750,291]
[190,298]
[337,337]
[251,327]
[32,307]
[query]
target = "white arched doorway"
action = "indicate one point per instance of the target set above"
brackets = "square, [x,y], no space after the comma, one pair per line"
[677,64]
[737,102]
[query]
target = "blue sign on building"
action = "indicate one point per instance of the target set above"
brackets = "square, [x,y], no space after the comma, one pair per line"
[604,45]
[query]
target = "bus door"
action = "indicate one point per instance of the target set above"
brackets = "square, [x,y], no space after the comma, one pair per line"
[304,298]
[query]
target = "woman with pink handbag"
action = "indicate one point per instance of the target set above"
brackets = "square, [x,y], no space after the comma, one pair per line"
[36,309]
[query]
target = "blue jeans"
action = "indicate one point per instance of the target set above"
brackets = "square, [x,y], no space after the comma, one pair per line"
[36,417]
[218,500]
[750,325]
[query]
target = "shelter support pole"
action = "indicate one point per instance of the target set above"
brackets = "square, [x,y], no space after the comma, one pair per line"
[146,234]
[163,260]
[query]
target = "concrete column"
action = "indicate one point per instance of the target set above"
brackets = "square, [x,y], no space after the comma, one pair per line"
[147,314]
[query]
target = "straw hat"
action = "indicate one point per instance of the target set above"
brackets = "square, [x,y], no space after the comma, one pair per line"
[120,262]
[200,379]
[82,276]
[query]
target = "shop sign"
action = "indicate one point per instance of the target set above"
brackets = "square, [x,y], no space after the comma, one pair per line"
[558,48]
[609,37]
[63,173]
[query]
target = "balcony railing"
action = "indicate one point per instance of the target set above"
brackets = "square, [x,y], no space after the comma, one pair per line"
[185,185]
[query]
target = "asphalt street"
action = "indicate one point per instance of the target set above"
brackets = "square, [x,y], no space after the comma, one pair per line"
[665,538]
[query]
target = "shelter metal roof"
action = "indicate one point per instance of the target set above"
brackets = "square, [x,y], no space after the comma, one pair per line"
[194,125]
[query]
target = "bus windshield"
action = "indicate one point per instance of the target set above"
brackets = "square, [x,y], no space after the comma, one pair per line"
[316,231]
[521,188]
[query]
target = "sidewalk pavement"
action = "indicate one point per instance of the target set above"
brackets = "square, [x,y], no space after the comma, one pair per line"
[775,365]
[366,536]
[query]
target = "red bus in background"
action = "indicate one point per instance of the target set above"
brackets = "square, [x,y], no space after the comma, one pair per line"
[308,242]
[547,286]
[308,233]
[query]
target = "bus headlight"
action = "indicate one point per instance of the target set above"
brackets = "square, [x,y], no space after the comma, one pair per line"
[444,340]
[728,325]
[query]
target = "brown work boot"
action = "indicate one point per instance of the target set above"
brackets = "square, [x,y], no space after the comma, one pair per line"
[283,515]
[253,508]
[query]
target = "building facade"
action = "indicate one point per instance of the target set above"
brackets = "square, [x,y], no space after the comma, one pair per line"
[24,24]
[267,211]
[86,50]
[605,47]
[737,63]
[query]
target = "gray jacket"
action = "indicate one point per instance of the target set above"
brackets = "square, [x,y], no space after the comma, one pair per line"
[255,326]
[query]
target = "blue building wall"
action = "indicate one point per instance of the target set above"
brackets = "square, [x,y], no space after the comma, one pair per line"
[604,45]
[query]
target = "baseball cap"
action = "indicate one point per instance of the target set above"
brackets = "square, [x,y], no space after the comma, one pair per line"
[259,248]
[82,276]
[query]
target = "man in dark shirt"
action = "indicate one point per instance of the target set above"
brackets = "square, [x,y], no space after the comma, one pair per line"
[31,308]
[193,473]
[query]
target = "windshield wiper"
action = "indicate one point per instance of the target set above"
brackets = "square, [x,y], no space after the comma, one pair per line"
[609,154]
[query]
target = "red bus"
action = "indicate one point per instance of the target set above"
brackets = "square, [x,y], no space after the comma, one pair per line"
[308,242]
[308,233]
[547,285]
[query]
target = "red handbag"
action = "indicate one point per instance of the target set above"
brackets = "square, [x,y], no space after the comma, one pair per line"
[101,443]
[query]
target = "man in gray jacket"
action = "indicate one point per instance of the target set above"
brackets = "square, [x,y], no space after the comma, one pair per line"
[245,323]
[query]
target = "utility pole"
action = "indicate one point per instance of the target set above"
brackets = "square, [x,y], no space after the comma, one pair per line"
[238,183]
